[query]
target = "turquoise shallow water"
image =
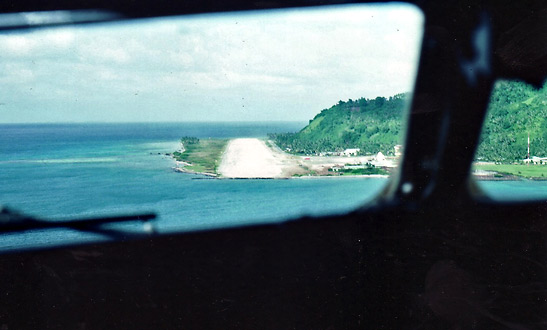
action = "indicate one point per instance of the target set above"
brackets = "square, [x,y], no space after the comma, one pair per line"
[89,170]
[71,171]
[515,190]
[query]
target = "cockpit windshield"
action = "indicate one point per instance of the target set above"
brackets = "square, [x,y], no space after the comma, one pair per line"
[207,120]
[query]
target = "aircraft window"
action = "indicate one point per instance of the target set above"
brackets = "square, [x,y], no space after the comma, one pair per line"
[93,117]
[511,161]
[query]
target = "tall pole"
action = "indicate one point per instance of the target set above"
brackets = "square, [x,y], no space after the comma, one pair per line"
[528,145]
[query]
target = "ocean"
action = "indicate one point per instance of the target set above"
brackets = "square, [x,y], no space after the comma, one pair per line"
[65,171]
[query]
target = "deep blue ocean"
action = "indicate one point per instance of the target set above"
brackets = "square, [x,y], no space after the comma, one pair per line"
[64,171]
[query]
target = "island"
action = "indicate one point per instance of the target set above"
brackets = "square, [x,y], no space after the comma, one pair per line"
[253,158]
[362,137]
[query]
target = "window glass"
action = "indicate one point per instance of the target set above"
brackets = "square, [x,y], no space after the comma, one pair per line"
[302,107]
[511,161]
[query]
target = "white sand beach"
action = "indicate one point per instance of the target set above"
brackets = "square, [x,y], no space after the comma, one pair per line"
[252,158]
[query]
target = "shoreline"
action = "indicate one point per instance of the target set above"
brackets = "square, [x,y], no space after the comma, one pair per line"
[253,158]
[183,170]
[363,176]
[313,177]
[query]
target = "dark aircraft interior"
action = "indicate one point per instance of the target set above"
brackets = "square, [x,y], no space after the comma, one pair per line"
[430,252]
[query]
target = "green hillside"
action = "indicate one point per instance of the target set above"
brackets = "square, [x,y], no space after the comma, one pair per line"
[374,125]
[371,125]
[516,110]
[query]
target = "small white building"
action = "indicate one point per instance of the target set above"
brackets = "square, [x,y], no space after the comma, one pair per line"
[536,160]
[351,152]
[380,157]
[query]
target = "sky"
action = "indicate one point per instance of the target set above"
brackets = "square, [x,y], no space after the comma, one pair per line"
[281,65]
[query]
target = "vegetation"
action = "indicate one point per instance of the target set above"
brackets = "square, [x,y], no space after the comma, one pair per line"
[188,140]
[370,125]
[202,155]
[368,169]
[516,110]
[522,170]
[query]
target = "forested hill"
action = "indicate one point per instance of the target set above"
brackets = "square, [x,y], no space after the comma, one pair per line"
[516,110]
[371,125]
[374,125]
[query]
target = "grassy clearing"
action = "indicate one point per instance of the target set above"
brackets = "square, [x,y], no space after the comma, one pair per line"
[204,156]
[526,171]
